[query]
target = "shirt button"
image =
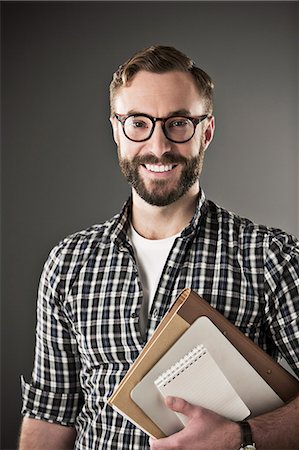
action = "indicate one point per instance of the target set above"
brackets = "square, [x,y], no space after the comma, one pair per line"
[134,315]
[155,313]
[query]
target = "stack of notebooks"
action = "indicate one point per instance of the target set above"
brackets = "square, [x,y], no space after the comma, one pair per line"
[197,354]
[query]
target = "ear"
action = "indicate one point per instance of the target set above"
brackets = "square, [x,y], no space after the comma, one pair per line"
[115,128]
[209,132]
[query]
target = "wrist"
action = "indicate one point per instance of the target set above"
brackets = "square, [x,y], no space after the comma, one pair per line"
[231,436]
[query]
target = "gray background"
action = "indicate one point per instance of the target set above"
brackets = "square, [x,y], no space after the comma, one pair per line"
[59,164]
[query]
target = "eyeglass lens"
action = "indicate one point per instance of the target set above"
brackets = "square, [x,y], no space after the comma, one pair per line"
[139,128]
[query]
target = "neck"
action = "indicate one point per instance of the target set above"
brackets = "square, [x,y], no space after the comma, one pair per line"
[160,222]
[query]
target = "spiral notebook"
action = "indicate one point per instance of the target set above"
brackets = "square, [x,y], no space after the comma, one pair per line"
[198,379]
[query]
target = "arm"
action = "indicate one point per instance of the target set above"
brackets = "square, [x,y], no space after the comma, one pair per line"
[278,428]
[53,397]
[37,434]
[207,430]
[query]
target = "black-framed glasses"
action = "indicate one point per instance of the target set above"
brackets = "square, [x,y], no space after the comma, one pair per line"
[140,127]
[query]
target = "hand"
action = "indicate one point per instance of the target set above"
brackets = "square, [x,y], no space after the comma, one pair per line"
[205,430]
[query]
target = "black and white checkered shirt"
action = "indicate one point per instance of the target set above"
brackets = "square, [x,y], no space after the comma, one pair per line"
[89,303]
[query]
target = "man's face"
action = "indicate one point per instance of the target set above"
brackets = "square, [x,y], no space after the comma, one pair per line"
[161,171]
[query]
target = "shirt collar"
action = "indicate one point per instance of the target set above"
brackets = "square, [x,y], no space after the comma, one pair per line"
[120,228]
[200,212]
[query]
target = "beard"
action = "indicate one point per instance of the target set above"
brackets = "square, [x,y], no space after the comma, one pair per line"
[159,193]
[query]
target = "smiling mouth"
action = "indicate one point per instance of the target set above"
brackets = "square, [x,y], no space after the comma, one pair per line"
[159,168]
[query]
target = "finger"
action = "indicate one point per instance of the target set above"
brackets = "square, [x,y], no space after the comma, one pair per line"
[179,405]
[166,443]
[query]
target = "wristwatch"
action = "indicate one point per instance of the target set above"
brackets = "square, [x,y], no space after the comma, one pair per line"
[247,441]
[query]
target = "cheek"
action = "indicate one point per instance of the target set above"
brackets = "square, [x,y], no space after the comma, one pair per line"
[190,149]
[127,149]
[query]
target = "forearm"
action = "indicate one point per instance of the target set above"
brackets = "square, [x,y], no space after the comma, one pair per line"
[38,434]
[206,430]
[278,429]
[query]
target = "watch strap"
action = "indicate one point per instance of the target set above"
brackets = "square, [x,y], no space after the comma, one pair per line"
[246,435]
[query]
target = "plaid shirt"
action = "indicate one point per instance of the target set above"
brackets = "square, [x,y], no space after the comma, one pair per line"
[89,303]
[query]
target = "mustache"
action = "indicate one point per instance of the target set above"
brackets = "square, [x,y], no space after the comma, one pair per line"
[166,158]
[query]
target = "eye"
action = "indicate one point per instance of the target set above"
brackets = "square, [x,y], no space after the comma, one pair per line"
[178,123]
[136,122]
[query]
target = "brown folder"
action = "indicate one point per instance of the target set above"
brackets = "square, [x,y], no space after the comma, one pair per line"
[188,307]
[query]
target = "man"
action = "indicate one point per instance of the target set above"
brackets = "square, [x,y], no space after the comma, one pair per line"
[104,290]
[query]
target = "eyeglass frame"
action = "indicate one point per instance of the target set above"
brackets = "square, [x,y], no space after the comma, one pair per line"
[195,121]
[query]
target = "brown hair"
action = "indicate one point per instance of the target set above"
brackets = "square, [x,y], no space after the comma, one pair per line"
[160,59]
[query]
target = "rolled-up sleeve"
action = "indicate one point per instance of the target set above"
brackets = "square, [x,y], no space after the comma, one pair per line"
[54,392]
[49,406]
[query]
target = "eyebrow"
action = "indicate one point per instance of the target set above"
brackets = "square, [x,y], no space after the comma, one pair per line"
[178,112]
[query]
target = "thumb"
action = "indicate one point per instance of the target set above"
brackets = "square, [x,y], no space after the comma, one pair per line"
[179,405]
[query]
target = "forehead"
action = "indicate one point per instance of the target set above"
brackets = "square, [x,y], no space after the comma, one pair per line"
[159,94]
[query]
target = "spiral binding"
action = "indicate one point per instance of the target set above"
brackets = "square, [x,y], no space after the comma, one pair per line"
[190,358]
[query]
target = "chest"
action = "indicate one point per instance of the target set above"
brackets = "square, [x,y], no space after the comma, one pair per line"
[103,302]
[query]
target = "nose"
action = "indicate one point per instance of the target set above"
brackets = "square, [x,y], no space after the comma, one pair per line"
[158,143]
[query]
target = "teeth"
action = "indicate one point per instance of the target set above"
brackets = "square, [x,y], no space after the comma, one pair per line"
[154,168]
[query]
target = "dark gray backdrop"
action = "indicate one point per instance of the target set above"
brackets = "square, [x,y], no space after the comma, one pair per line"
[59,163]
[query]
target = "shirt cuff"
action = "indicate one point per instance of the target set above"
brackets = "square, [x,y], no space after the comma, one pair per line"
[50,406]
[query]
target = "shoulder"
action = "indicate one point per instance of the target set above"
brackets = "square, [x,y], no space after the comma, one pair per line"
[67,258]
[84,241]
[251,234]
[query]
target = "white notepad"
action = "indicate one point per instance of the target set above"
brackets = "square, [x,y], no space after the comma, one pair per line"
[198,379]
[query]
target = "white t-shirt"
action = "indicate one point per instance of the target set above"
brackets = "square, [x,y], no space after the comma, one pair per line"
[151,256]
